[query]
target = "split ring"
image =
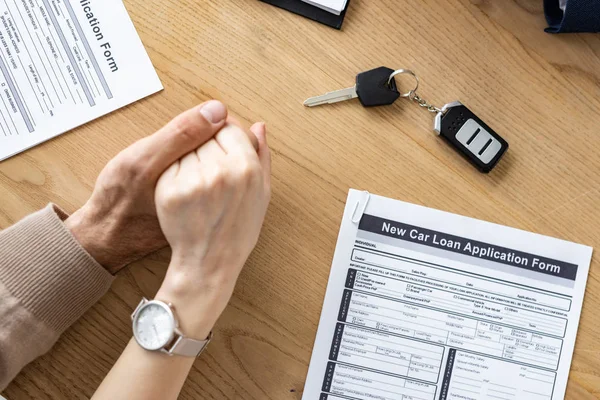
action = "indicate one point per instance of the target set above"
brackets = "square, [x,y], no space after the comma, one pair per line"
[410,93]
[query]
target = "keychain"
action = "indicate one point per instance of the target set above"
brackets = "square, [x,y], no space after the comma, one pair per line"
[458,125]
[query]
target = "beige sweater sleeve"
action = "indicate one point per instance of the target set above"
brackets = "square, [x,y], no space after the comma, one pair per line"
[47,281]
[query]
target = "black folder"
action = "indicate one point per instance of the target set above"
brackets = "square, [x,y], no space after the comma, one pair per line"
[309,11]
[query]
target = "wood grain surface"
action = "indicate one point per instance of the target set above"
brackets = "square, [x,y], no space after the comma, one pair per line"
[541,92]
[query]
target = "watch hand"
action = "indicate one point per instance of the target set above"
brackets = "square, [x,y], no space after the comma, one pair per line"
[155,330]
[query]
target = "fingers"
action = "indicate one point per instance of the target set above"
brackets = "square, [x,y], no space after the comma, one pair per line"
[259,129]
[251,136]
[233,121]
[210,152]
[189,161]
[169,174]
[184,134]
[234,140]
[172,171]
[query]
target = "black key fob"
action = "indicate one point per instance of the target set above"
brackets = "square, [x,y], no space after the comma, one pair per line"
[372,87]
[472,137]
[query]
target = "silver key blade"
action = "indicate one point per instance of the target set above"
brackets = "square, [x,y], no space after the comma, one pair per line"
[332,97]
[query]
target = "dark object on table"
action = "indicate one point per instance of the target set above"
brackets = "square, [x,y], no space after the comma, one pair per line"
[577,16]
[309,11]
[470,136]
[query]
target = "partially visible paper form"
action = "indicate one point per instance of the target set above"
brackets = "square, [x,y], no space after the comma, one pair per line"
[64,63]
[426,305]
[333,6]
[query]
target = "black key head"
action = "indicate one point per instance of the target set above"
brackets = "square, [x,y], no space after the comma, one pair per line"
[373,90]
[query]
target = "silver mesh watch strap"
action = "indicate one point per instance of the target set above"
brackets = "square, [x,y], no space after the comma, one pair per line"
[187,347]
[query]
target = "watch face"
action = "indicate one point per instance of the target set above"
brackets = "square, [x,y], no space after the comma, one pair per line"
[154,327]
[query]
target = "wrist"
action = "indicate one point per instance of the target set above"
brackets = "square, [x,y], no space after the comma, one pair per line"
[197,304]
[109,238]
[94,235]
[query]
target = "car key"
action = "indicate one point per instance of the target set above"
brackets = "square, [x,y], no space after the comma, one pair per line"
[470,135]
[462,129]
[458,125]
[373,88]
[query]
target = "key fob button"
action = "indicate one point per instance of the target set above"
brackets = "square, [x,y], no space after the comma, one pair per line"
[477,139]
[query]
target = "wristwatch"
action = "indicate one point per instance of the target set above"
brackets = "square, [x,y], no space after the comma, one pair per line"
[155,328]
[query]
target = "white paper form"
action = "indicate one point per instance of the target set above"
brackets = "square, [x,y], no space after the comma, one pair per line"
[64,63]
[331,6]
[426,305]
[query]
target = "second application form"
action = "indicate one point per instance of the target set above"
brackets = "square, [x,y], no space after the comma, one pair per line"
[427,305]
[63,63]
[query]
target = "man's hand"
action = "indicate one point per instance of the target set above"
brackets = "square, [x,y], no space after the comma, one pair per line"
[118,224]
[211,206]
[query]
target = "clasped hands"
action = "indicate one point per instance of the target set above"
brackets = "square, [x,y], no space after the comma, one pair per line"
[201,184]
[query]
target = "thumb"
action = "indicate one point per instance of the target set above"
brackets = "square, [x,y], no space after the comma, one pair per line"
[185,133]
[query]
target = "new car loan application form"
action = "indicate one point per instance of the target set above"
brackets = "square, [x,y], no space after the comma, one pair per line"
[64,63]
[426,305]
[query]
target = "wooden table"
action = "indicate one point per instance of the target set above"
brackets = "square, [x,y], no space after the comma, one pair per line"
[541,92]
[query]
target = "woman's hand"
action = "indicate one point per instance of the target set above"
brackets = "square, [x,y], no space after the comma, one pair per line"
[211,205]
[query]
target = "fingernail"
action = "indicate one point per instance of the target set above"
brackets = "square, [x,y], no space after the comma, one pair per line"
[214,111]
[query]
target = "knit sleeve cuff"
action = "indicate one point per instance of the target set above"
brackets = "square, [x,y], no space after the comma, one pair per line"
[45,267]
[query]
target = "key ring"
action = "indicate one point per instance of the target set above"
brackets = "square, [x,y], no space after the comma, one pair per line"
[410,94]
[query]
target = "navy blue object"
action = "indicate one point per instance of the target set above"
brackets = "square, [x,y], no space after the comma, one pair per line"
[579,16]
[311,12]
